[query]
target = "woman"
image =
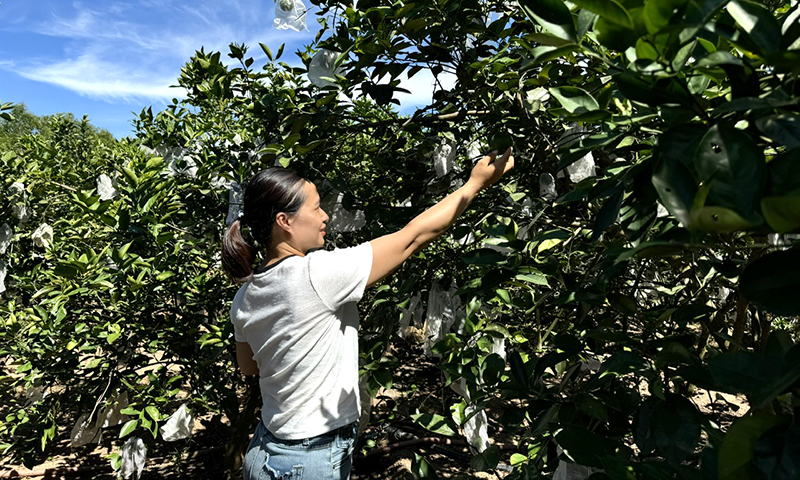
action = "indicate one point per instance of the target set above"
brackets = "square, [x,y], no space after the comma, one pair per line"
[295,318]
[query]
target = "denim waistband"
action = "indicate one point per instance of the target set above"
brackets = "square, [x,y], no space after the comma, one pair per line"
[345,431]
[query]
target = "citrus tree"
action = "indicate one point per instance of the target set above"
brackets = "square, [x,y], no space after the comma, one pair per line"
[641,249]
[640,252]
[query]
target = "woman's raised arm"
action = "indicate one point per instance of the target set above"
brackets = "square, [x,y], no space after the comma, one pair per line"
[390,251]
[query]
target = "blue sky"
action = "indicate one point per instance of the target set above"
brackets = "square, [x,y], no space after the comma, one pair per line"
[109,59]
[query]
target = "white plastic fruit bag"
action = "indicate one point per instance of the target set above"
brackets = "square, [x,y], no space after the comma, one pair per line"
[290,14]
[3,272]
[43,236]
[444,157]
[321,69]
[178,426]
[547,186]
[440,317]
[582,168]
[105,187]
[19,202]
[411,318]
[134,456]
[235,201]
[341,219]
[6,234]
[476,429]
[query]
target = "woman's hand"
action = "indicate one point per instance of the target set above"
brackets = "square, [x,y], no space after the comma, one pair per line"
[490,168]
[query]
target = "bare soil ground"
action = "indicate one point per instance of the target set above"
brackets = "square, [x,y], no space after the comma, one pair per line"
[417,386]
[201,456]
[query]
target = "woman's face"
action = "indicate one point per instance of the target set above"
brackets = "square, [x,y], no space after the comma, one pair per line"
[308,224]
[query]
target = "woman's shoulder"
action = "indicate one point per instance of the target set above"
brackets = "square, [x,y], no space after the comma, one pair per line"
[275,266]
[357,253]
[340,250]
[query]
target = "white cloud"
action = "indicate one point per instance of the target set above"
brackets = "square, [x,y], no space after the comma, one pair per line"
[134,50]
[97,78]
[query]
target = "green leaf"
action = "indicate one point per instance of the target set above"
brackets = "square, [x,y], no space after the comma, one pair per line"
[748,103]
[778,452]
[782,173]
[66,270]
[672,179]
[545,245]
[622,363]
[130,176]
[383,377]
[267,52]
[289,141]
[483,256]
[714,219]
[491,367]
[435,423]
[547,53]
[164,275]
[758,23]
[624,303]
[421,469]
[611,10]
[615,36]
[535,278]
[645,50]
[26,367]
[128,427]
[153,412]
[762,378]
[575,99]
[732,165]
[517,459]
[673,354]
[503,295]
[782,129]
[518,369]
[738,448]
[552,15]
[683,55]
[486,460]
[607,215]
[582,446]
[719,58]
[790,29]
[660,13]
[782,213]
[585,21]
[772,282]
[115,460]
[591,406]
[671,427]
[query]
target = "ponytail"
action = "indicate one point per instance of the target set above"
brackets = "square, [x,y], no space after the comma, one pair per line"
[238,256]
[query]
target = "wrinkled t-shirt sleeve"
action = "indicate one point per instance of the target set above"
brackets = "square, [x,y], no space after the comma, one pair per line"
[238,334]
[238,323]
[340,276]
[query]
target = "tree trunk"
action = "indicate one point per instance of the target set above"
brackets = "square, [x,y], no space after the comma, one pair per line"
[241,426]
[739,324]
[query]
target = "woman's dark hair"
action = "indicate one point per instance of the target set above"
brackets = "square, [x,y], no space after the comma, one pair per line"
[267,194]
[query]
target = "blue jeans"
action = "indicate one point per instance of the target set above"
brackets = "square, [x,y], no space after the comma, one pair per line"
[324,457]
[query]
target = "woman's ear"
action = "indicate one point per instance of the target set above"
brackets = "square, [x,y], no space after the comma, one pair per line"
[282,220]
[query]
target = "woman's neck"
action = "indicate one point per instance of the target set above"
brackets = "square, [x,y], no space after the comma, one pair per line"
[280,251]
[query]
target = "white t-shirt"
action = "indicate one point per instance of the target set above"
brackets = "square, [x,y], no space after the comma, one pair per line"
[300,318]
